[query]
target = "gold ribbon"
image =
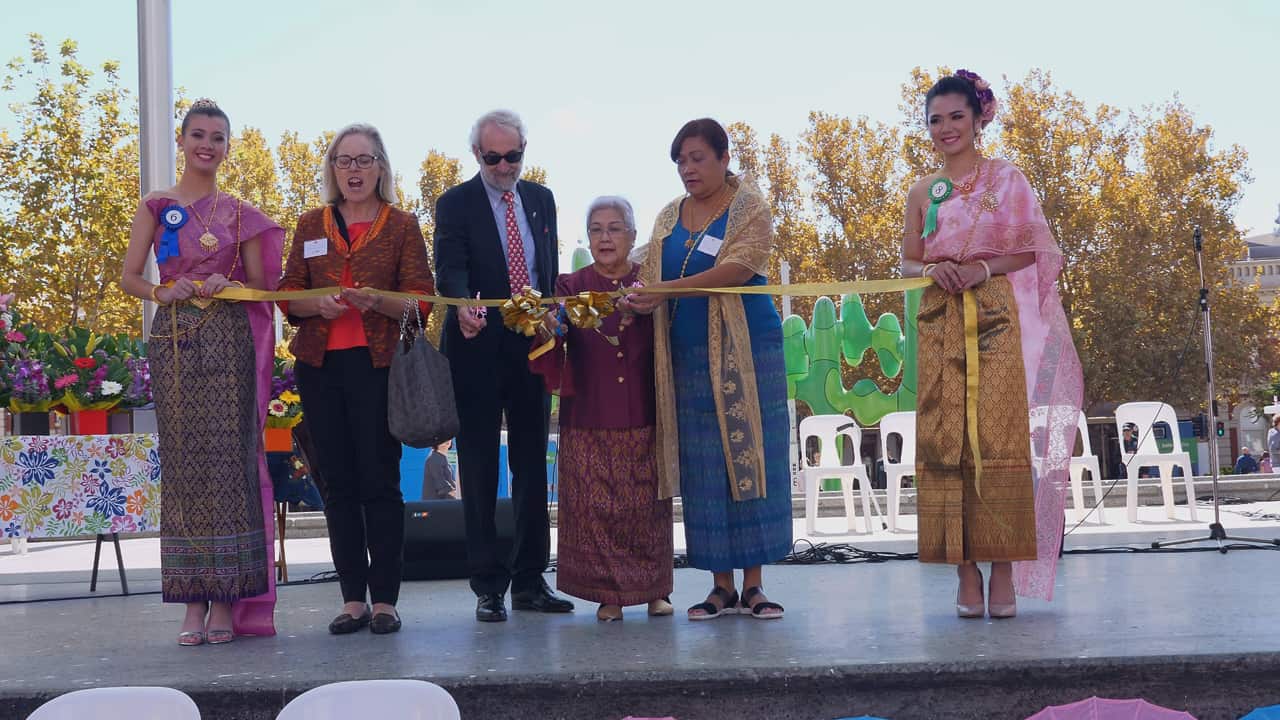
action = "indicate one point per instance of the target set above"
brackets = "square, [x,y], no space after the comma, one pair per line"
[795,290]
[523,313]
[971,383]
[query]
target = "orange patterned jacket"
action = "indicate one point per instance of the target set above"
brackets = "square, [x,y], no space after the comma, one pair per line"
[393,257]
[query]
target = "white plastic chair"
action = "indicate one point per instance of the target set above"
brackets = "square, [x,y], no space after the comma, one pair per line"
[1086,460]
[119,703]
[399,699]
[1144,415]
[828,428]
[902,424]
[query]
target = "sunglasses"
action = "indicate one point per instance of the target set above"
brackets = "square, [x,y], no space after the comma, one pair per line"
[493,158]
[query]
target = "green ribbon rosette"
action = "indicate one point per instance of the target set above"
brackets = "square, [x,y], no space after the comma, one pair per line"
[939,191]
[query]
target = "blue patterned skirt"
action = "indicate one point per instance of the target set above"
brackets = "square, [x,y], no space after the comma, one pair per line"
[722,534]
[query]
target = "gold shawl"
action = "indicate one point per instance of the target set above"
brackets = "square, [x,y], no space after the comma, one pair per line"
[748,242]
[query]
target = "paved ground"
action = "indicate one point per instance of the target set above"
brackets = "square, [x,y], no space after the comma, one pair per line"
[1193,630]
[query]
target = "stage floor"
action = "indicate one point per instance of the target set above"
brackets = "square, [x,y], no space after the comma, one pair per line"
[1191,630]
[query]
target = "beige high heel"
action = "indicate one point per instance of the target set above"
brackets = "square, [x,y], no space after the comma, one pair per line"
[609,613]
[1002,611]
[971,612]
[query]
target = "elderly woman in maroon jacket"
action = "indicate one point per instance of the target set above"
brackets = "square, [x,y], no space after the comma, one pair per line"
[615,544]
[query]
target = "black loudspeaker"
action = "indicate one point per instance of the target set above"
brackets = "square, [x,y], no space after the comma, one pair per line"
[435,538]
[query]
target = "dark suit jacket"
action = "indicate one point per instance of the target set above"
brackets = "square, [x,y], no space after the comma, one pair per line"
[437,477]
[470,259]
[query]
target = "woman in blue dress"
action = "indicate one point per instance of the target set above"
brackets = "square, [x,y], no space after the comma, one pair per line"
[722,436]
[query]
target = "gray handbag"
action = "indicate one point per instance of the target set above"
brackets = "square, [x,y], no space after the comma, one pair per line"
[420,407]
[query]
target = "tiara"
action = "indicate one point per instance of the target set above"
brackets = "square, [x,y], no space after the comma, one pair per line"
[203,104]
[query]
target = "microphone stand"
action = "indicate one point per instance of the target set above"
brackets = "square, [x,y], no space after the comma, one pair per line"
[1216,532]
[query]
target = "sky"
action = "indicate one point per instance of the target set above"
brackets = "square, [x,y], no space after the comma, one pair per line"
[604,86]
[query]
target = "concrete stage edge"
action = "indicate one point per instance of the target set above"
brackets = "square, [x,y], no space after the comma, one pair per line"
[1192,631]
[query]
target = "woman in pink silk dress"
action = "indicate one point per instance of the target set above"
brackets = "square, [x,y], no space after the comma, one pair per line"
[211,366]
[977,229]
[615,533]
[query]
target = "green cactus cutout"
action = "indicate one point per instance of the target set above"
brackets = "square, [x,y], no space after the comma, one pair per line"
[813,353]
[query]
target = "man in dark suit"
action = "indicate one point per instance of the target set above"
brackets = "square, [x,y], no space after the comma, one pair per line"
[496,234]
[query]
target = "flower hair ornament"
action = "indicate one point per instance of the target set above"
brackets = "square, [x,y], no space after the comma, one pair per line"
[986,98]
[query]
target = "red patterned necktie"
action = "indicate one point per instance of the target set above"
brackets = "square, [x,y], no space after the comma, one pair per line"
[517,268]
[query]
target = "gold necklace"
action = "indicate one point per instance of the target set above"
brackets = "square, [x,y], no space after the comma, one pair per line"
[966,188]
[695,237]
[208,240]
[692,243]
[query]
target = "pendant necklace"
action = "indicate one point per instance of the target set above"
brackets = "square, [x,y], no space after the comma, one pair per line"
[208,241]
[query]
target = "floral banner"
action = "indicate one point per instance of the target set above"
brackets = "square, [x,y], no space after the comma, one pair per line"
[61,486]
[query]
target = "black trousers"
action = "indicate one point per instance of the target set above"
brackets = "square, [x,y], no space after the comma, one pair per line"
[492,386]
[345,403]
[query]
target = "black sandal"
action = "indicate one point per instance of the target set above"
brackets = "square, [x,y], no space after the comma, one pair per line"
[760,610]
[710,610]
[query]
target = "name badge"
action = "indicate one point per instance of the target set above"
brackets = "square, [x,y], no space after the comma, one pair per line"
[710,244]
[315,248]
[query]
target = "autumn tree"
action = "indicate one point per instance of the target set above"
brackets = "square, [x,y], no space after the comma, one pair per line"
[69,190]
[795,235]
[437,173]
[301,167]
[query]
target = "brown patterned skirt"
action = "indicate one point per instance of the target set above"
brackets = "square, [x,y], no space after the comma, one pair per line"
[615,541]
[212,540]
[957,524]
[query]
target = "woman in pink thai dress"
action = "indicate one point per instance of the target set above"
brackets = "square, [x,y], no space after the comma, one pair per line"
[986,494]
[211,366]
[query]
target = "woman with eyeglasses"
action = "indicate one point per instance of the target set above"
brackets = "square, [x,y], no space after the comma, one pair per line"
[614,532]
[721,383]
[356,242]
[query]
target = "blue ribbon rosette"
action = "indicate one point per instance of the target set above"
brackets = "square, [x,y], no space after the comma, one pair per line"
[172,218]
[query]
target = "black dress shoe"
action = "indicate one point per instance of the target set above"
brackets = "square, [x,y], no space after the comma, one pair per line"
[491,608]
[540,599]
[385,623]
[344,624]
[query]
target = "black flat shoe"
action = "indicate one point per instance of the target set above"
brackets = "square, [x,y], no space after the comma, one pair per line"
[385,623]
[491,608]
[344,624]
[540,599]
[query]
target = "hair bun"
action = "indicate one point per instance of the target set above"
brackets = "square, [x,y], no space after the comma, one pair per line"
[986,98]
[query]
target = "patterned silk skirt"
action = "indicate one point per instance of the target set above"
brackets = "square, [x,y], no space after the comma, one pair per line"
[212,539]
[723,534]
[615,535]
[958,521]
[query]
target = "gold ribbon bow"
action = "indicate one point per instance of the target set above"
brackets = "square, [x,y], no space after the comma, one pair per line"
[523,312]
[587,310]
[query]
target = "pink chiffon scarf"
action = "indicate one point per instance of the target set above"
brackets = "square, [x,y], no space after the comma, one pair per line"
[1008,222]
[232,220]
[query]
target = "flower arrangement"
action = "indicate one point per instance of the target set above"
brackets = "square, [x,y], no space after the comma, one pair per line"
[88,371]
[285,408]
[26,385]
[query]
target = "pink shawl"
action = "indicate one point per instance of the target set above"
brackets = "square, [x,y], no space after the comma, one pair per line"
[970,228]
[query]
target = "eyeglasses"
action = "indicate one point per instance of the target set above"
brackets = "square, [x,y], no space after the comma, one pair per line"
[364,162]
[493,158]
[595,233]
